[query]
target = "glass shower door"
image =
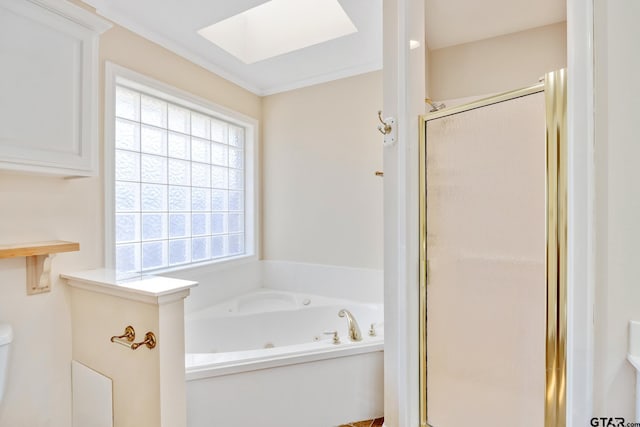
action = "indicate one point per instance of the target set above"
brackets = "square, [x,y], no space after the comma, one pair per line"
[486,280]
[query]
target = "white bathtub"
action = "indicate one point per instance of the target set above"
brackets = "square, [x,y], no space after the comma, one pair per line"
[262,359]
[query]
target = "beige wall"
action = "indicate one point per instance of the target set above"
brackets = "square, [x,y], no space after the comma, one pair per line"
[322,202]
[36,208]
[617,292]
[41,208]
[497,64]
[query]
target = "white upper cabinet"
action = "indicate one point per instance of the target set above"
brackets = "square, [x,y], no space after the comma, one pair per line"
[49,87]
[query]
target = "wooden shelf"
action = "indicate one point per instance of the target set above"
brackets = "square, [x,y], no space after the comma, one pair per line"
[38,258]
[37,248]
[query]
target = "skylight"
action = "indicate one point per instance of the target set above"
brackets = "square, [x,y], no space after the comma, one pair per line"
[279,26]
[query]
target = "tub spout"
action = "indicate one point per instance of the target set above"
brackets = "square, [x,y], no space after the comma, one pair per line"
[354,330]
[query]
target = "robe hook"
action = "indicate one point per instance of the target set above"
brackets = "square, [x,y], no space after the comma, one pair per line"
[384,128]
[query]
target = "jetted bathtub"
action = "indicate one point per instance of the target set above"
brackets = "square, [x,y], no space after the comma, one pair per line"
[264,359]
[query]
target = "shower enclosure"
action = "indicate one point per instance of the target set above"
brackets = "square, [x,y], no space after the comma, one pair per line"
[493,247]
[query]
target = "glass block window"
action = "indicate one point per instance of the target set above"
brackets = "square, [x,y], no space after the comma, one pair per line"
[179,184]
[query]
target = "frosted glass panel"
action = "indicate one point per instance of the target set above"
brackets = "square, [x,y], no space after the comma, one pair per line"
[219,154]
[179,146]
[200,126]
[236,200]
[127,196]
[179,172]
[218,223]
[236,179]
[128,257]
[200,199]
[180,184]
[154,197]
[236,137]
[179,251]
[153,111]
[154,226]
[218,131]
[486,296]
[219,200]
[236,223]
[219,177]
[127,228]
[200,248]
[178,119]
[153,169]
[127,103]
[179,198]
[127,166]
[154,140]
[236,243]
[127,135]
[154,255]
[236,158]
[179,225]
[201,224]
[218,246]
[200,150]
[200,175]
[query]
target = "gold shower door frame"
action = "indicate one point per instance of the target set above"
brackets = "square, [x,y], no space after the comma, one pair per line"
[555,89]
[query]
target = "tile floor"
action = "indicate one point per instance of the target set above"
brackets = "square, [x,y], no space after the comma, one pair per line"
[368,423]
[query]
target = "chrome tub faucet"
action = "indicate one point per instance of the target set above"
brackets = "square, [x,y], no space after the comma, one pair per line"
[354,330]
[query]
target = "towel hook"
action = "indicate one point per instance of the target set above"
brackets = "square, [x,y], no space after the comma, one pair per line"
[387,128]
[384,128]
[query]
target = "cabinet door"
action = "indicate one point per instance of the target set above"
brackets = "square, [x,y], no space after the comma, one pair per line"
[48,90]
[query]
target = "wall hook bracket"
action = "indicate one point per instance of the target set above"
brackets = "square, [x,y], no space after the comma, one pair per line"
[388,129]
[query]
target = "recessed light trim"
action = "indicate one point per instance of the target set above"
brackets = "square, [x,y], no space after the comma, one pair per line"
[279,26]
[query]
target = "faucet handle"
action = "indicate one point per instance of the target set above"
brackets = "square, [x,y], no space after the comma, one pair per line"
[372,330]
[336,338]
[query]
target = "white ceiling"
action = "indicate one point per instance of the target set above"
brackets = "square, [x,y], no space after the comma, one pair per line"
[174,25]
[453,22]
